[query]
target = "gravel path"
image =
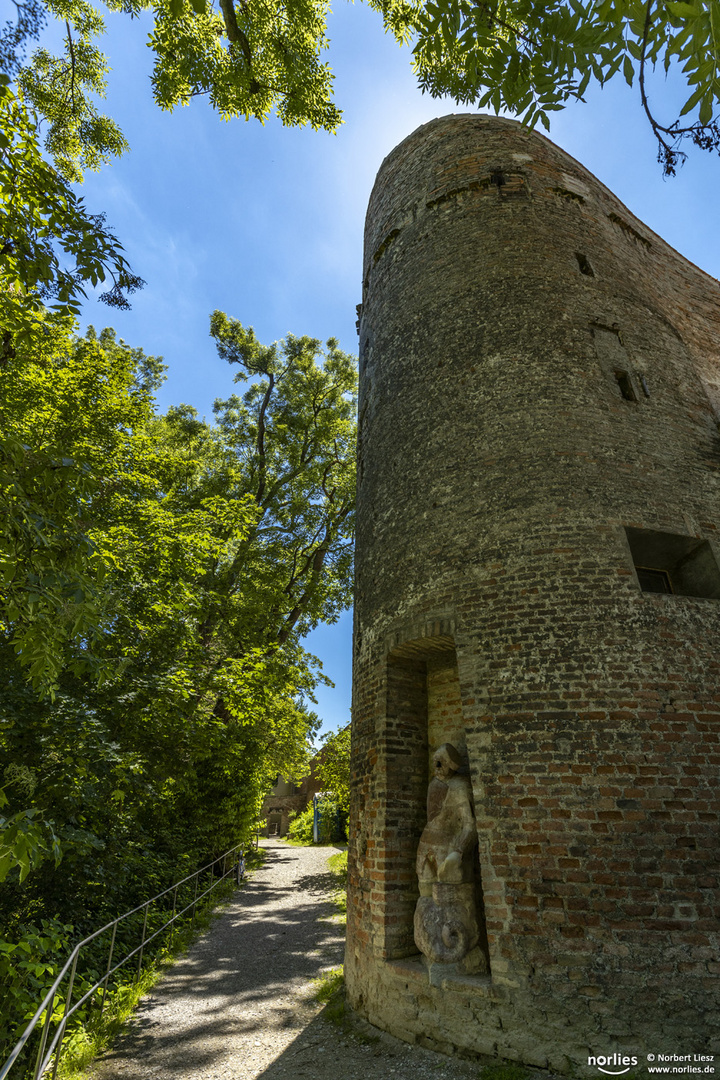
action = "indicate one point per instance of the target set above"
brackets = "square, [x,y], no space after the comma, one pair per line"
[240,1005]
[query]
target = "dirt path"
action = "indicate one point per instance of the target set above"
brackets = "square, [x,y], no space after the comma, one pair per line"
[240,1005]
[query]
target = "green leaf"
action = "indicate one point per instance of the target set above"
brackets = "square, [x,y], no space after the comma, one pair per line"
[692,101]
[685,11]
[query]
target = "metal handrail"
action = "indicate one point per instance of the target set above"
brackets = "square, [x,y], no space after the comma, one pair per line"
[45,1056]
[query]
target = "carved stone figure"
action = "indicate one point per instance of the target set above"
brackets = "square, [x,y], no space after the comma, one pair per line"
[446,927]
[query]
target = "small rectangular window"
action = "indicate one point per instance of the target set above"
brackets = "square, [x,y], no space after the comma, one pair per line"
[670,563]
[653,580]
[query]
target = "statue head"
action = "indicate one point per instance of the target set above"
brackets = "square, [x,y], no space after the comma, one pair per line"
[445,761]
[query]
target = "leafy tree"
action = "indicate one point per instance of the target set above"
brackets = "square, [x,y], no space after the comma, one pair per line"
[217,546]
[67,413]
[291,438]
[527,56]
[531,57]
[220,546]
[333,767]
[61,438]
[249,61]
[50,247]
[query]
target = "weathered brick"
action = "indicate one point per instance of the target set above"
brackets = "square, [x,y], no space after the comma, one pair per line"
[498,607]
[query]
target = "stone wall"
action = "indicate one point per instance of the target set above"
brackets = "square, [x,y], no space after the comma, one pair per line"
[276,810]
[540,397]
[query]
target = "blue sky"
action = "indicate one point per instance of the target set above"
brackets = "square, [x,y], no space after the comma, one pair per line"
[266,223]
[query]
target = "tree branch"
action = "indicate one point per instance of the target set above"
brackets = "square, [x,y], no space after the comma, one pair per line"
[72,63]
[666,153]
[493,18]
[260,442]
[318,561]
[238,36]
[705,136]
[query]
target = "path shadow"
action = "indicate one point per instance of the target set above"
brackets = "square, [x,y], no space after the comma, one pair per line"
[252,956]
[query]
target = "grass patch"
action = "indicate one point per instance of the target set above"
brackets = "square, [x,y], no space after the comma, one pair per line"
[329,983]
[97,1034]
[330,992]
[338,864]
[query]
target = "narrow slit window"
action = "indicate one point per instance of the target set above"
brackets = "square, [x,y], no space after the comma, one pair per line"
[626,386]
[584,264]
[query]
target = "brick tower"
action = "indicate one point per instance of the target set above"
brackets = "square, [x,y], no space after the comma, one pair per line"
[538,585]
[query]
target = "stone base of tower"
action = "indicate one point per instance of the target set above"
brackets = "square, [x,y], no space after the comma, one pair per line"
[486,1018]
[472,1016]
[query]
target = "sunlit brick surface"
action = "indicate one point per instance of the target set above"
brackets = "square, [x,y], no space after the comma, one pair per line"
[509,302]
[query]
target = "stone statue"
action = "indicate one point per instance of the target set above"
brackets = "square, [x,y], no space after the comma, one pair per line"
[446,926]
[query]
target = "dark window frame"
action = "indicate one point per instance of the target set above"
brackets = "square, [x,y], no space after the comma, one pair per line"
[688,564]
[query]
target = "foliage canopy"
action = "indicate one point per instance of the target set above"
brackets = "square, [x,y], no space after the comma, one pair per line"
[173,572]
[50,246]
[527,56]
[531,56]
[333,768]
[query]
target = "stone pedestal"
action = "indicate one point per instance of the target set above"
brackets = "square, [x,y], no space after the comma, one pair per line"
[446,929]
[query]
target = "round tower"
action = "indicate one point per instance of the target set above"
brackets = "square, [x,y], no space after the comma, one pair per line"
[538,586]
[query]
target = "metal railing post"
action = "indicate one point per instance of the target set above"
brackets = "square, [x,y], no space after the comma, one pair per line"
[172,921]
[43,1041]
[109,963]
[63,1022]
[142,943]
[197,876]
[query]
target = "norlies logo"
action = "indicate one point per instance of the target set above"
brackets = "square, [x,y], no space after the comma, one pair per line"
[611,1065]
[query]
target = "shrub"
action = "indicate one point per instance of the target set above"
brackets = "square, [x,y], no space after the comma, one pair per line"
[329,825]
[301,827]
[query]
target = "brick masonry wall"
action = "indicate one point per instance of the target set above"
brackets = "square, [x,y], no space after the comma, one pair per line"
[499,465]
[444,704]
